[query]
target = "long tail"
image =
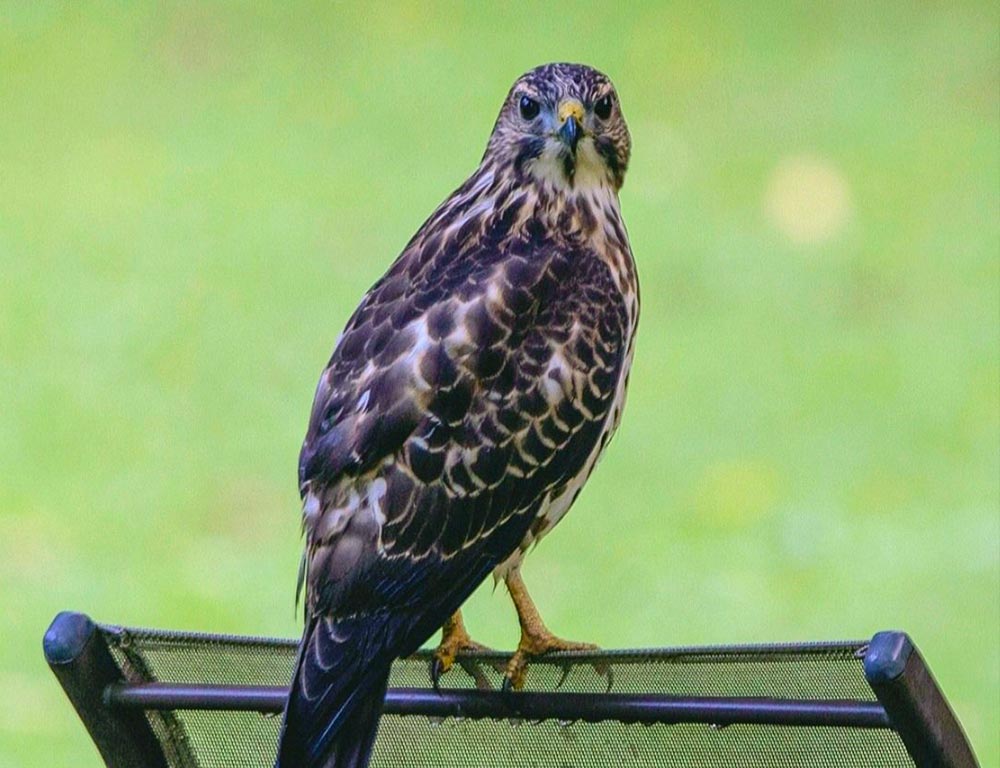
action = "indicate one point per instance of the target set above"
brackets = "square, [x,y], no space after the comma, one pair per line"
[337,693]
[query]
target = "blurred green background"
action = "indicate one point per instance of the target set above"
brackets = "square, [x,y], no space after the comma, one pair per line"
[193,197]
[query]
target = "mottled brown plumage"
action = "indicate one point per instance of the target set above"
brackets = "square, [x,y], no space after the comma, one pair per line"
[466,402]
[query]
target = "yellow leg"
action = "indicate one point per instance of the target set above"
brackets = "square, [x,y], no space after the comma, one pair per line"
[454,640]
[535,636]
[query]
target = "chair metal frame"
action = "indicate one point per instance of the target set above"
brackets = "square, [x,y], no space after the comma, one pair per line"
[908,700]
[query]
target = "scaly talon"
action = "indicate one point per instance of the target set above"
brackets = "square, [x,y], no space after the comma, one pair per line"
[535,637]
[537,645]
[437,669]
[454,640]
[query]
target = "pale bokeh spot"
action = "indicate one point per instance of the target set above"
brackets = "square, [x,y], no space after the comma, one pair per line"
[808,199]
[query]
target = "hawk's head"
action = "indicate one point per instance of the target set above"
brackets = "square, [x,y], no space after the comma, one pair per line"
[562,125]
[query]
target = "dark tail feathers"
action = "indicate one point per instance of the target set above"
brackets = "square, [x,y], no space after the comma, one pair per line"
[337,693]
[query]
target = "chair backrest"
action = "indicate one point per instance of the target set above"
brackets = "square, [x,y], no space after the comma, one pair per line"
[182,700]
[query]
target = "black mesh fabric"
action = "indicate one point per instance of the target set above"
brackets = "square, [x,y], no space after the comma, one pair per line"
[200,739]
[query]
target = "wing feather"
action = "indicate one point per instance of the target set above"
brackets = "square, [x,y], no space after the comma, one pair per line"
[469,428]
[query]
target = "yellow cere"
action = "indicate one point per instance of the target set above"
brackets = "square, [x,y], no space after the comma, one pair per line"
[570,108]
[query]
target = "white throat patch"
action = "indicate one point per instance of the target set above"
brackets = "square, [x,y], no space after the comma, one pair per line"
[590,173]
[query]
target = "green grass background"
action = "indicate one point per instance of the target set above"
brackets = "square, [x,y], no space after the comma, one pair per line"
[194,196]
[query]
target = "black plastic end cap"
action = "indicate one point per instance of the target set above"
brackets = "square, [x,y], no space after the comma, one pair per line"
[67,636]
[887,655]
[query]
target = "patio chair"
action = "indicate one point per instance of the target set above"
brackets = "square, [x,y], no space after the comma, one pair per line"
[184,700]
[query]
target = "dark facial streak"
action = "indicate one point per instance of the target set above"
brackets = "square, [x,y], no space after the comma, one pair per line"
[529,148]
[606,149]
[569,166]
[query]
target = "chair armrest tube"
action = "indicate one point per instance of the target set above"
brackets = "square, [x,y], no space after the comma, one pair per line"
[476,704]
[80,659]
[915,705]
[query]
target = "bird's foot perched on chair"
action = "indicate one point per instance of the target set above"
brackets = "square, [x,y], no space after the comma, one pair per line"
[536,639]
[454,640]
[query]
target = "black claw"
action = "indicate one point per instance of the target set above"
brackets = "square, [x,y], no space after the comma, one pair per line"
[508,685]
[436,669]
[566,669]
[605,670]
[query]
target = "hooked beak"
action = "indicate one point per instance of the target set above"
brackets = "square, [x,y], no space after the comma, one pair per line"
[570,133]
[570,116]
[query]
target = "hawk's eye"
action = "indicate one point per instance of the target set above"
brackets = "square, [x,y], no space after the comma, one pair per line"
[529,108]
[603,107]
